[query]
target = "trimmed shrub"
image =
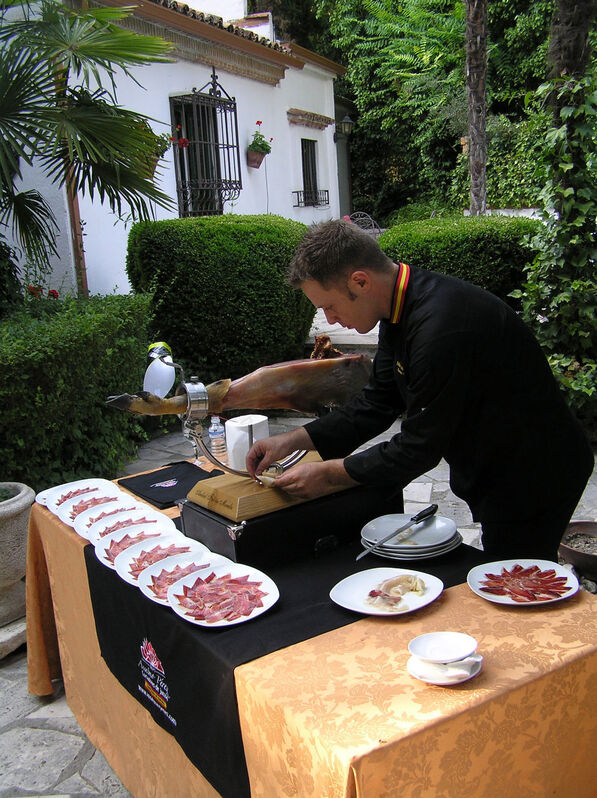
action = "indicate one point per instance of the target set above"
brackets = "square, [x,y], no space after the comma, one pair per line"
[489,251]
[221,299]
[57,370]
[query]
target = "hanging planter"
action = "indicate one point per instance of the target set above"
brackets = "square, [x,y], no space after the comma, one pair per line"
[258,148]
[254,158]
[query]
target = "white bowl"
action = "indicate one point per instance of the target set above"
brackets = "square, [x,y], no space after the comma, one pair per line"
[443,646]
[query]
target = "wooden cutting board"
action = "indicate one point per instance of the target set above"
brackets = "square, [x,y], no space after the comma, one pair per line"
[241,498]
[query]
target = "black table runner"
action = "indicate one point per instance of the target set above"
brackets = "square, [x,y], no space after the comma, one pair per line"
[184,674]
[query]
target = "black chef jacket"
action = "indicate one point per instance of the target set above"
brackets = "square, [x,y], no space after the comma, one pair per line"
[475,388]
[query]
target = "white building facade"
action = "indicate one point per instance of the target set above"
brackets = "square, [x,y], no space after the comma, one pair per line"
[289,89]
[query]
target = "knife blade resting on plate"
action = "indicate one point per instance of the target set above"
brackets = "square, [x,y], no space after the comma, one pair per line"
[403,531]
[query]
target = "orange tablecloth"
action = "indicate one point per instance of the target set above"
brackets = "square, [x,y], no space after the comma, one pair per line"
[338,715]
[147,759]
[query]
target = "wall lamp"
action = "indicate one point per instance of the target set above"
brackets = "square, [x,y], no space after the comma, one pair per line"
[343,128]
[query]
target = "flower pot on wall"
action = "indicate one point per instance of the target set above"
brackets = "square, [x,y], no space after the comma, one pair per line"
[255,158]
[14,521]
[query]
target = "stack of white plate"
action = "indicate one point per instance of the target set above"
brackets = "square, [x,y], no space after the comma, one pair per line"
[428,538]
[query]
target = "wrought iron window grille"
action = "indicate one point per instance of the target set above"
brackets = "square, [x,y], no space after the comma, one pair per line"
[318,198]
[206,150]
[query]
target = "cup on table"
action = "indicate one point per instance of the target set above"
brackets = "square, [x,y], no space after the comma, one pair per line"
[444,657]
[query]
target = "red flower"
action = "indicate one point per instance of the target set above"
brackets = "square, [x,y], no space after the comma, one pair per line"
[53,294]
[259,122]
[35,290]
[271,139]
[183,143]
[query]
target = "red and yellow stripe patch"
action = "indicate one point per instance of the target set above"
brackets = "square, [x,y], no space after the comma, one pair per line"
[399,293]
[155,695]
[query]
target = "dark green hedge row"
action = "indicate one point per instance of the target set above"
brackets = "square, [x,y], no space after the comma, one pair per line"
[221,299]
[489,251]
[57,370]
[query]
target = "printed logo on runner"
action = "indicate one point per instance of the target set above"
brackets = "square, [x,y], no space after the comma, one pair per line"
[152,683]
[169,483]
[150,657]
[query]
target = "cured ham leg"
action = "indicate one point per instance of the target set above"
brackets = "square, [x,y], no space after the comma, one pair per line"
[304,385]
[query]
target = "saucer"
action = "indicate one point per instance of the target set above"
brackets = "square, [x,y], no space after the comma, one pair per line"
[443,675]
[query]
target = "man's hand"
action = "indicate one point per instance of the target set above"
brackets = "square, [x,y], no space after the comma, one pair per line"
[270,450]
[310,480]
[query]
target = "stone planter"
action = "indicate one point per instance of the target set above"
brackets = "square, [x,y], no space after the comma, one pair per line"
[255,158]
[579,547]
[14,519]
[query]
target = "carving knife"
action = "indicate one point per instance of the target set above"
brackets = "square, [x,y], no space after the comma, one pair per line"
[403,531]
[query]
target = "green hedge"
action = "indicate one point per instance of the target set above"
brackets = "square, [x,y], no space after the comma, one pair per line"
[489,251]
[221,299]
[57,370]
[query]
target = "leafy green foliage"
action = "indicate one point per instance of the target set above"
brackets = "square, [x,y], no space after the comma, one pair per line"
[57,370]
[489,251]
[405,70]
[519,33]
[515,173]
[50,55]
[221,299]
[559,297]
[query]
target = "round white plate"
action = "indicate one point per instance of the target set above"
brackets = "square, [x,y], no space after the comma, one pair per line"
[135,535]
[145,517]
[70,509]
[167,545]
[43,496]
[442,647]
[430,532]
[441,675]
[84,520]
[236,570]
[479,573]
[424,554]
[201,560]
[352,592]
[53,498]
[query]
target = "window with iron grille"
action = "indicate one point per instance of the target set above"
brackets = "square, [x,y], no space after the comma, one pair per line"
[206,151]
[310,195]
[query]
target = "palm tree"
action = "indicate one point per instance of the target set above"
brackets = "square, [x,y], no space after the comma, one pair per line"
[56,111]
[476,85]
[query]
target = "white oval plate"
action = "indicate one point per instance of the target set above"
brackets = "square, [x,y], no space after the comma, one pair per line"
[267,585]
[202,560]
[54,497]
[440,675]
[167,545]
[135,535]
[44,495]
[86,519]
[430,532]
[479,573]
[69,510]
[145,516]
[351,593]
[442,647]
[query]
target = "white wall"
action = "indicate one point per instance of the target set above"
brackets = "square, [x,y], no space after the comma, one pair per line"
[63,277]
[265,190]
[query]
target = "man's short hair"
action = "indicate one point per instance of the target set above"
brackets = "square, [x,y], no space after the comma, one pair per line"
[330,250]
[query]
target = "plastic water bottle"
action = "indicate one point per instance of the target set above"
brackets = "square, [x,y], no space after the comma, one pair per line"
[217,439]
